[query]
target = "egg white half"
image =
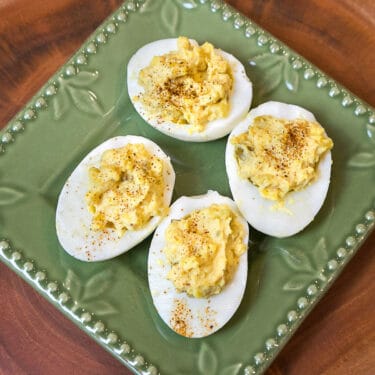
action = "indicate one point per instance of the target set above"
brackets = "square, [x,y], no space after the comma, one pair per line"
[239,101]
[300,206]
[73,220]
[204,312]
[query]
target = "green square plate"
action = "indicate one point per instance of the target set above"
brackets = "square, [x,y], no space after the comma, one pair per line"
[86,102]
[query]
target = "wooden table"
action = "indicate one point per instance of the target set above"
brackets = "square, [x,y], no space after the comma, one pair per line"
[37,36]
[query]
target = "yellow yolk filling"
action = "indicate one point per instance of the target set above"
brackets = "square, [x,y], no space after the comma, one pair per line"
[279,156]
[189,86]
[203,249]
[127,190]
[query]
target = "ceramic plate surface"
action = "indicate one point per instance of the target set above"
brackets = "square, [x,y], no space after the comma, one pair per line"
[86,102]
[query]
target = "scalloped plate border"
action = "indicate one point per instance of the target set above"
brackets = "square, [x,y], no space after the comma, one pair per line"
[59,296]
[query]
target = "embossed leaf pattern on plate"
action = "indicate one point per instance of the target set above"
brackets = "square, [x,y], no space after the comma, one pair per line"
[290,76]
[207,360]
[362,160]
[278,69]
[365,159]
[306,268]
[170,12]
[75,90]
[10,195]
[208,363]
[170,16]
[91,294]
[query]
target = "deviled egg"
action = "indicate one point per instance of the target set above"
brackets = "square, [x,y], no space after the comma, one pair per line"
[114,198]
[197,264]
[189,92]
[278,163]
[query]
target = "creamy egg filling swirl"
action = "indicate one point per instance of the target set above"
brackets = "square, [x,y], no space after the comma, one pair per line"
[203,249]
[127,189]
[189,86]
[280,156]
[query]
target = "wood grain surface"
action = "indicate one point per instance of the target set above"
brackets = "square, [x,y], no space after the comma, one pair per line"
[37,37]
